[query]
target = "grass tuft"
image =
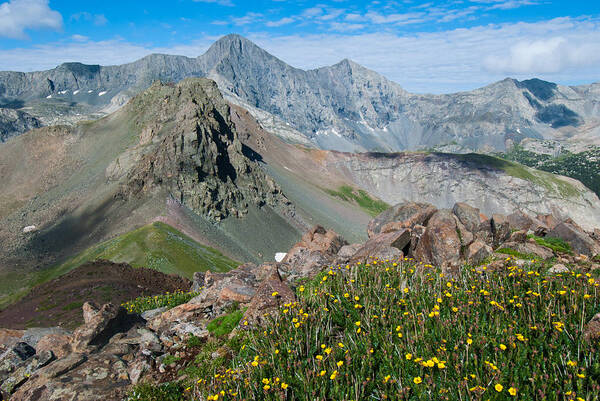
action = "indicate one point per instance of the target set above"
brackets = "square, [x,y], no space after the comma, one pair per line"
[360,197]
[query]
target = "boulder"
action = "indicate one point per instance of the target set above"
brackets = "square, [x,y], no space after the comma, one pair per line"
[101,323]
[379,244]
[402,215]
[22,374]
[272,293]
[558,268]
[466,237]
[579,240]
[58,344]
[477,252]
[469,216]
[317,249]
[13,358]
[440,244]
[519,221]
[500,229]
[345,253]
[518,236]
[193,311]
[548,220]
[34,334]
[591,331]
[9,338]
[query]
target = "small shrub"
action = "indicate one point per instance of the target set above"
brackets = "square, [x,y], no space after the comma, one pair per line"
[225,324]
[162,392]
[170,300]
[556,244]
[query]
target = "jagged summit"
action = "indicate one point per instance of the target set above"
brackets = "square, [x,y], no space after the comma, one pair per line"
[341,107]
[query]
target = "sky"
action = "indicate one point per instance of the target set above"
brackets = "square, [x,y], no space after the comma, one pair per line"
[425,46]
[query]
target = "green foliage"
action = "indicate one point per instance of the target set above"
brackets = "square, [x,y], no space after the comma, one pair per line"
[406,332]
[73,305]
[556,244]
[225,324]
[583,166]
[169,359]
[516,254]
[361,198]
[193,341]
[170,300]
[157,246]
[162,392]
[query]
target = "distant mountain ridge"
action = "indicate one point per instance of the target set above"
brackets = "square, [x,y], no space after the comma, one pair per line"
[341,107]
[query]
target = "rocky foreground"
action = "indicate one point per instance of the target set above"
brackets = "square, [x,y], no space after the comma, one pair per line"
[115,349]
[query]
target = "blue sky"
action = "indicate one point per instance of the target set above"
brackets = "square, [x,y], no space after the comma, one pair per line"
[426,46]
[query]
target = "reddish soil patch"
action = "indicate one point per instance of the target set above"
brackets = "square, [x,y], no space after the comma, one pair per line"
[58,302]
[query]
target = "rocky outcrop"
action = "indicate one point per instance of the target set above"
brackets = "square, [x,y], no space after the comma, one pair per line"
[580,241]
[317,248]
[16,122]
[441,244]
[384,246]
[400,216]
[197,156]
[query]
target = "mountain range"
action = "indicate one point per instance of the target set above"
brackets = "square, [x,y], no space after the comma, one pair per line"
[343,107]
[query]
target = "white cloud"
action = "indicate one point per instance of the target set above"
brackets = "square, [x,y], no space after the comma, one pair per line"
[281,22]
[227,3]
[549,55]
[96,19]
[16,16]
[79,38]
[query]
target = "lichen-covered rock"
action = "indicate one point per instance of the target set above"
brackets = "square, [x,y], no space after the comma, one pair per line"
[378,246]
[558,268]
[477,252]
[101,323]
[59,344]
[272,293]
[591,331]
[440,245]
[579,240]
[402,215]
[529,248]
[500,229]
[468,215]
[346,252]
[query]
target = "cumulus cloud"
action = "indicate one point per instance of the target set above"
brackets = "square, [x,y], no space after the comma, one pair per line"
[280,22]
[16,16]
[549,55]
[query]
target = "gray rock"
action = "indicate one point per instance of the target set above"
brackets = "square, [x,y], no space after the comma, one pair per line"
[402,215]
[468,215]
[558,268]
[149,314]
[580,241]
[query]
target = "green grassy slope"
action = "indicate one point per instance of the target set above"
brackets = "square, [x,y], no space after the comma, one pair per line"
[156,246]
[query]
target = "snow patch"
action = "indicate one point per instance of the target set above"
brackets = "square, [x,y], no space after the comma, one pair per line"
[102,93]
[90,91]
[279,256]
[62,92]
[49,97]
[76,92]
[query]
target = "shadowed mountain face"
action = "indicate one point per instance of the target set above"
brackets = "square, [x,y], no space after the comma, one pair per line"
[341,107]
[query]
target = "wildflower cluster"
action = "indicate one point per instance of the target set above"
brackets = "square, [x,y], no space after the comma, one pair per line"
[168,299]
[400,330]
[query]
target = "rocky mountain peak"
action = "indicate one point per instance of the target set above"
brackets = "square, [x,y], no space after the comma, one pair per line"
[189,147]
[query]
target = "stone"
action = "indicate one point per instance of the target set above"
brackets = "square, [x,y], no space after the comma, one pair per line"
[187,329]
[380,244]
[469,216]
[189,312]
[59,344]
[591,331]
[477,252]
[548,220]
[388,253]
[346,252]
[149,314]
[558,268]
[101,323]
[518,236]
[9,338]
[14,358]
[465,236]
[63,365]
[579,240]
[407,214]
[440,244]
[137,369]
[272,293]
[197,282]
[519,221]
[34,334]
[500,229]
